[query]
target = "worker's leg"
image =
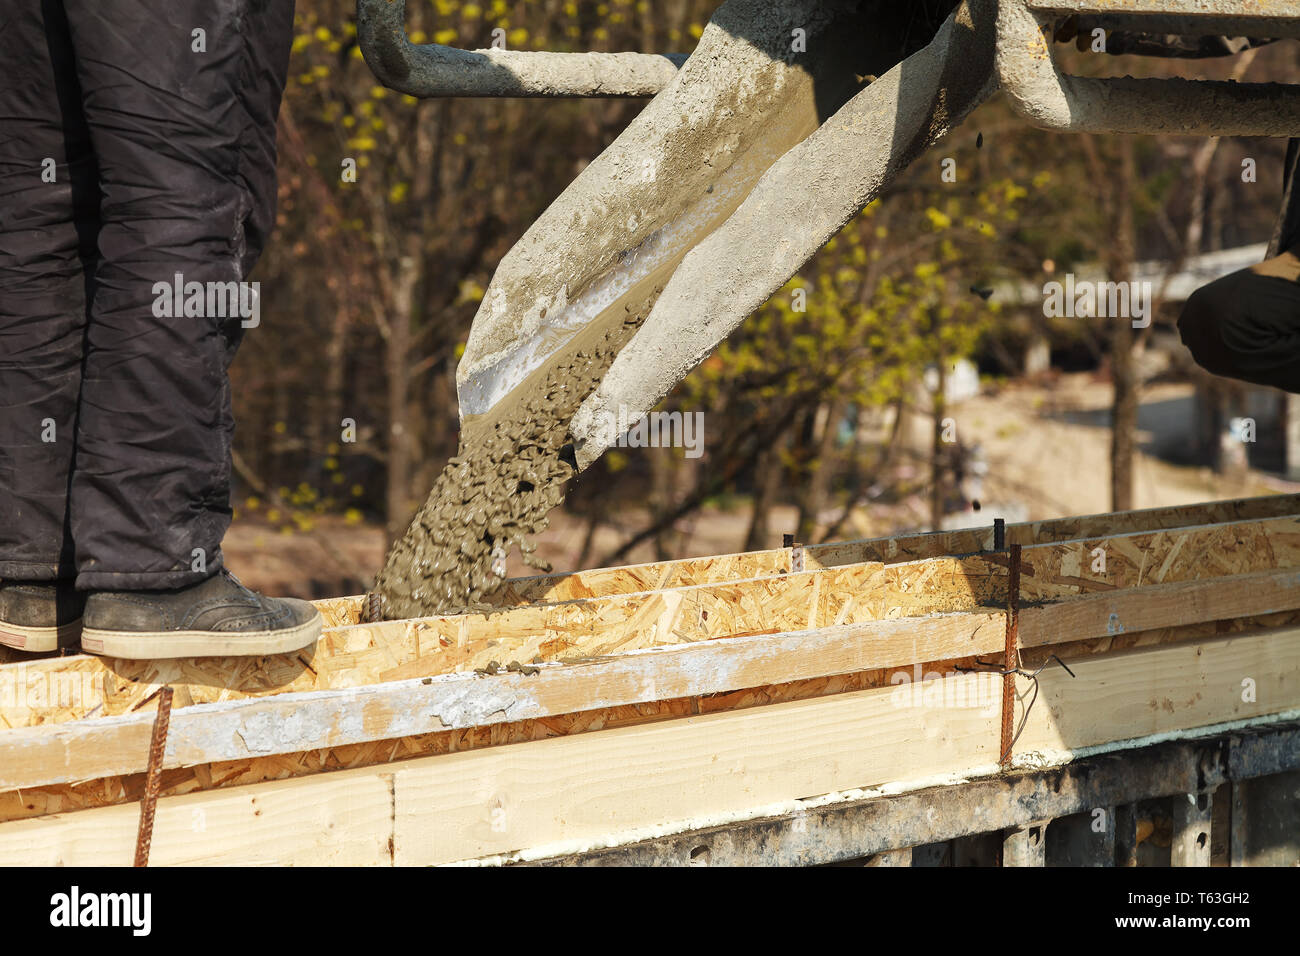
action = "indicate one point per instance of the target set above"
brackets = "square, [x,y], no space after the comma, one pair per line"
[48,223]
[1246,326]
[181,98]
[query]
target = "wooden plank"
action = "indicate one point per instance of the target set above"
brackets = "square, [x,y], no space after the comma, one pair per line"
[1157,690]
[369,654]
[56,798]
[613,785]
[736,759]
[1111,613]
[317,821]
[244,729]
[1193,822]
[590,788]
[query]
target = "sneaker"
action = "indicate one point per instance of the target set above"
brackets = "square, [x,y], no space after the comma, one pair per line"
[39,616]
[218,617]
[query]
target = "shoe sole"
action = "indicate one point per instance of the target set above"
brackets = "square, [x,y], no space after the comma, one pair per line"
[165,645]
[39,640]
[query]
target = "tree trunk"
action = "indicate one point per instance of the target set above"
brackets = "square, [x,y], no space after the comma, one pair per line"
[399,505]
[588,540]
[661,501]
[1124,409]
[767,482]
[938,457]
[817,488]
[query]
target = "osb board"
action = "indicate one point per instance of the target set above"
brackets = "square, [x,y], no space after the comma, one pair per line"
[351,656]
[691,572]
[694,572]
[868,591]
[354,656]
[610,786]
[40,801]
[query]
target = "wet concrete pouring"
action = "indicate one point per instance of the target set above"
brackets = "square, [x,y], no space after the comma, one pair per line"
[498,490]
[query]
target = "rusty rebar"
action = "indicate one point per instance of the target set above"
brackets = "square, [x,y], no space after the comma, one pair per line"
[1010,661]
[372,609]
[153,777]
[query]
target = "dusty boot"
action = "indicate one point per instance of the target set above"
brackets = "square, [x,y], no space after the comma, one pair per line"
[39,616]
[218,617]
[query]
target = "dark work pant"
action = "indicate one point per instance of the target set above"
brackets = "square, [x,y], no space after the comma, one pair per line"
[137,142]
[1246,326]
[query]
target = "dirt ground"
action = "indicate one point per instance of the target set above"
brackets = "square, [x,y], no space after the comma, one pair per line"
[1047,446]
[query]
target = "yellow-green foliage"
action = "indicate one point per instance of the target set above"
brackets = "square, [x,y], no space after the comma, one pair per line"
[882,303]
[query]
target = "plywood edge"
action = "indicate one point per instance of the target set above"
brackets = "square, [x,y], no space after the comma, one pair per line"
[928,585]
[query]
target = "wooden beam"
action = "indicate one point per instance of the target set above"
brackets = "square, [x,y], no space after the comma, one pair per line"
[1156,690]
[616,785]
[328,820]
[1025,845]
[290,723]
[251,740]
[1111,613]
[371,654]
[749,758]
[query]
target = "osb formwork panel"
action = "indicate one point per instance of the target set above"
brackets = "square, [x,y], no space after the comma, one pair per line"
[674,774]
[692,572]
[891,550]
[372,654]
